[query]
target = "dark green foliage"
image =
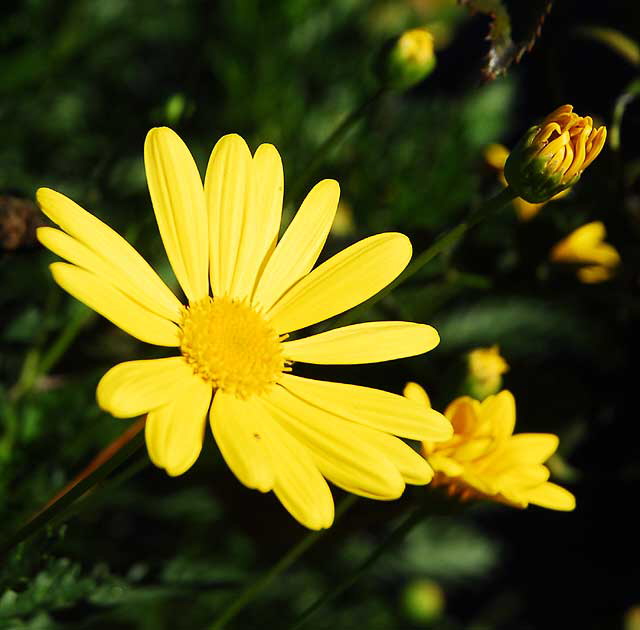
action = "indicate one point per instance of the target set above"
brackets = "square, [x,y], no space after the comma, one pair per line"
[82,81]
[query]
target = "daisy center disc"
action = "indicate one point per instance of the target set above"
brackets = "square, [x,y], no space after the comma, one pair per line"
[231,346]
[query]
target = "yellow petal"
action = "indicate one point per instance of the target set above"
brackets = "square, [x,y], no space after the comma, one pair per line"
[412,466]
[531,448]
[263,214]
[549,495]
[446,465]
[523,477]
[418,394]
[593,274]
[225,187]
[345,280]
[240,429]
[340,454]
[463,414]
[373,408]
[175,432]
[98,248]
[178,202]
[363,343]
[301,244]
[473,449]
[135,387]
[299,485]
[500,412]
[99,295]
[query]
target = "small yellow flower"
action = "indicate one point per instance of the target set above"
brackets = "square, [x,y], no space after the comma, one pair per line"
[406,60]
[496,156]
[552,156]
[245,294]
[586,246]
[485,460]
[486,367]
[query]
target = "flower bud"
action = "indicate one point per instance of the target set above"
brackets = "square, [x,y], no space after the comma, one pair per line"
[485,369]
[405,61]
[552,155]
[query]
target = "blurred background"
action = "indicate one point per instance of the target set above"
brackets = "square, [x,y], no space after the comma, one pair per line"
[81,83]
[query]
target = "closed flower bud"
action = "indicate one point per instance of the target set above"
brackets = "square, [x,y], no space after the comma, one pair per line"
[552,155]
[485,369]
[405,61]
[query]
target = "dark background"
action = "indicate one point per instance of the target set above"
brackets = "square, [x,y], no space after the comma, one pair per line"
[81,83]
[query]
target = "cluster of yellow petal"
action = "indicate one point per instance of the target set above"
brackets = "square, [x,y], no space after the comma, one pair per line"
[496,156]
[485,460]
[569,142]
[245,292]
[586,247]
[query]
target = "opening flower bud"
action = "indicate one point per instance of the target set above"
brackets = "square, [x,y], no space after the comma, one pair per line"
[406,60]
[485,369]
[553,155]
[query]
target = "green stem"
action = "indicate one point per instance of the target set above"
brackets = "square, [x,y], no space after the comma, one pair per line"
[631,92]
[442,244]
[37,363]
[50,513]
[331,141]
[407,524]
[255,587]
[91,500]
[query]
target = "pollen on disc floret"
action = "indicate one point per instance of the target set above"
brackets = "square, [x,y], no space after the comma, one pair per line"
[231,346]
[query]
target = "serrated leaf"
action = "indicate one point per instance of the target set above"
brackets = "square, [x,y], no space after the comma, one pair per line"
[515,27]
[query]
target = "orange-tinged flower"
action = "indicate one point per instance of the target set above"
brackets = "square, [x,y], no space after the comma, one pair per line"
[246,292]
[585,246]
[485,460]
[552,156]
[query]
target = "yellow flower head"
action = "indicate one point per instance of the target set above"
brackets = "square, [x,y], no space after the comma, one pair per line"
[496,156]
[552,155]
[406,60]
[245,294]
[485,460]
[586,246]
[486,367]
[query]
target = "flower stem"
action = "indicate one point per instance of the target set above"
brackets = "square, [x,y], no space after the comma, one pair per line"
[333,138]
[98,470]
[407,524]
[258,585]
[442,244]
[38,363]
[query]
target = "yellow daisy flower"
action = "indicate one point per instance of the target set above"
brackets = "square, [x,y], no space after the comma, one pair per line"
[246,292]
[586,246]
[485,460]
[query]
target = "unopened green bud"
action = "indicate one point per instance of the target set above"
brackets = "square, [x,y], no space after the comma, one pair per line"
[406,60]
[552,156]
[423,601]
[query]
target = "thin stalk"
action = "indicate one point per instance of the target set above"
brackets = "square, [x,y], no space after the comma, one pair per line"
[257,586]
[38,363]
[407,524]
[75,490]
[442,244]
[334,137]
[93,498]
